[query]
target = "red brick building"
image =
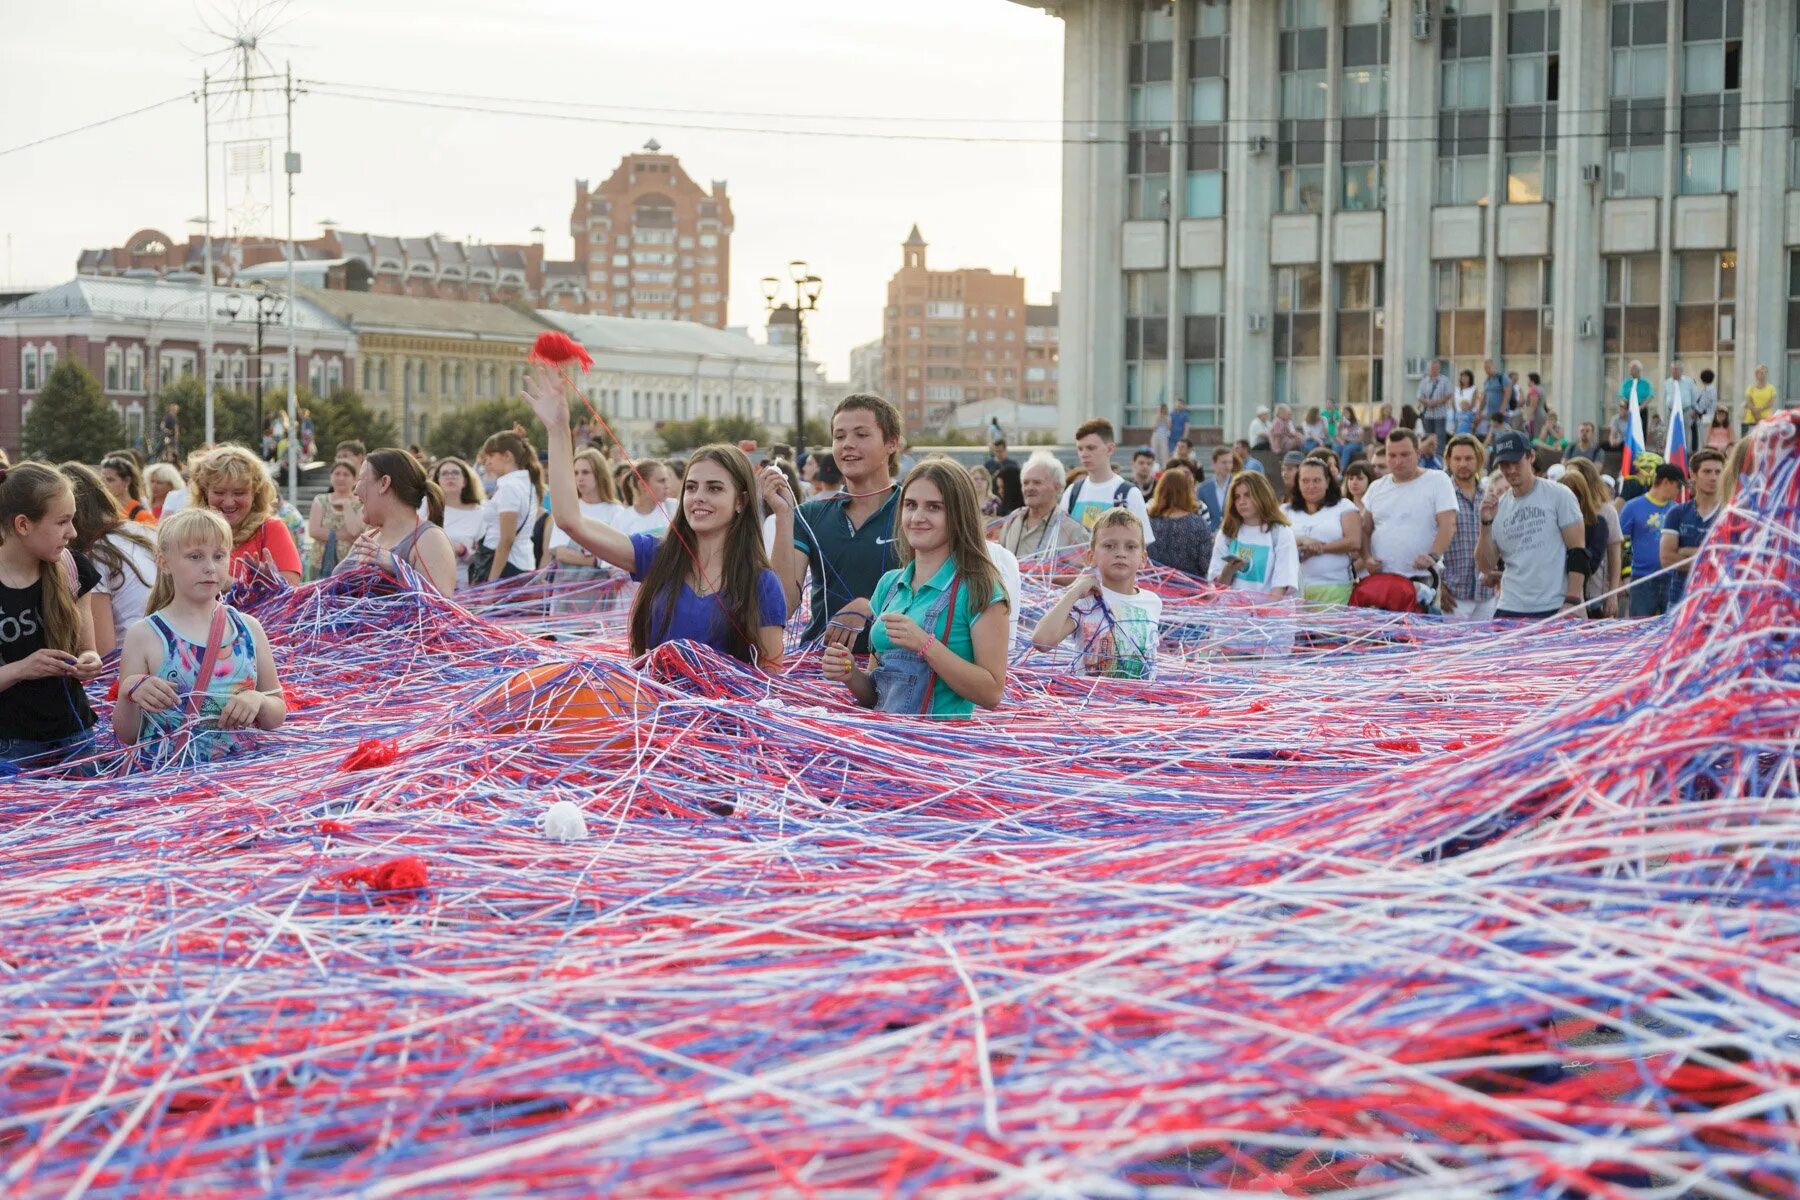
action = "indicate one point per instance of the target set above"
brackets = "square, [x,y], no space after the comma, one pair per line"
[653,243]
[136,335]
[953,337]
[433,267]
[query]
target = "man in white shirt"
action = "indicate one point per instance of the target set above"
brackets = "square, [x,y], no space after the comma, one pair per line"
[1409,514]
[1103,489]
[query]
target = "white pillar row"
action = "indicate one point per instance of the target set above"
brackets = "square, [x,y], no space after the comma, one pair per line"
[1761,216]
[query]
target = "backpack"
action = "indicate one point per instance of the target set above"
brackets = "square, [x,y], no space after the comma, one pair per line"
[1119,495]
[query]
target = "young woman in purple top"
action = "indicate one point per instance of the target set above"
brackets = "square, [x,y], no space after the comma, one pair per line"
[708,579]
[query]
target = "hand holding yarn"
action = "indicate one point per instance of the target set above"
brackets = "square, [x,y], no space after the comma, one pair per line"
[241,711]
[838,662]
[904,632]
[774,488]
[152,693]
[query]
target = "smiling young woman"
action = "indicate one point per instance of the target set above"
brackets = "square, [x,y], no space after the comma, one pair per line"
[707,580]
[938,623]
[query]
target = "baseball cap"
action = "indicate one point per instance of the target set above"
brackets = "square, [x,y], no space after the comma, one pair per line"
[1292,458]
[1511,446]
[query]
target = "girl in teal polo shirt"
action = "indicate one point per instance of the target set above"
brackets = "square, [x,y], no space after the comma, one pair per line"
[939,621]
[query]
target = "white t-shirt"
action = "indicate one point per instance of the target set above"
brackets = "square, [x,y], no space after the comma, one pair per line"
[1115,634]
[628,520]
[513,494]
[1097,498]
[464,526]
[602,511]
[1007,563]
[1326,525]
[1406,517]
[175,501]
[129,590]
[1269,549]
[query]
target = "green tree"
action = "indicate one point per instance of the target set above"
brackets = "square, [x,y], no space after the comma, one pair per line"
[344,417]
[234,414]
[72,418]
[680,436]
[462,432]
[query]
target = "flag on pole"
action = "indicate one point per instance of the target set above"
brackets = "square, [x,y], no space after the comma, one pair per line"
[1634,440]
[1676,451]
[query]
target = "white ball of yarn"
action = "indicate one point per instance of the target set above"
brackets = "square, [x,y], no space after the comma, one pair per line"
[565,822]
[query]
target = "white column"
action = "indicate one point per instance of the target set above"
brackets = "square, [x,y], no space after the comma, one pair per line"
[1490,234]
[1763,164]
[1176,358]
[1095,102]
[1334,168]
[1251,181]
[1409,299]
[1665,212]
[1579,390]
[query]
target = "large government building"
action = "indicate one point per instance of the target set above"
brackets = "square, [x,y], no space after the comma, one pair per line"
[1304,200]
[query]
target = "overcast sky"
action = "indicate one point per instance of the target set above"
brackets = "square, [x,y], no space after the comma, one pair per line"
[984,69]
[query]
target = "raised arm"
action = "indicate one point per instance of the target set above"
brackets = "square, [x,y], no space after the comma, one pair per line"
[789,564]
[546,392]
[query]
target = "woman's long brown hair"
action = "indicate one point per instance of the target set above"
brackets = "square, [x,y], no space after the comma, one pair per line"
[962,520]
[97,514]
[26,491]
[743,558]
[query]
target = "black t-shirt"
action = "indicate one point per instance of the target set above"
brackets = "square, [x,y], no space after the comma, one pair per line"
[39,710]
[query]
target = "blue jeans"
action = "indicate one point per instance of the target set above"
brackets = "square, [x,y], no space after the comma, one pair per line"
[1347,453]
[25,754]
[1649,597]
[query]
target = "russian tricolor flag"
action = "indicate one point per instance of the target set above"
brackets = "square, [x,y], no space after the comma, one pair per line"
[1676,451]
[1634,440]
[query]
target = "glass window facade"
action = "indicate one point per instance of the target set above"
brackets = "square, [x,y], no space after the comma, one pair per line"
[1203,337]
[1706,310]
[1712,51]
[1150,69]
[1146,345]
[1359,335]
[1461,313]
[1299,369]
[1362,106]
[1209,52]
[1525,315]
[1301,133]
[1633,293]
[1639,73]
[1464,93]
[1533,84]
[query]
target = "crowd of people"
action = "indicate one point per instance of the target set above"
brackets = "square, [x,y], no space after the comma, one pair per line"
[910,574]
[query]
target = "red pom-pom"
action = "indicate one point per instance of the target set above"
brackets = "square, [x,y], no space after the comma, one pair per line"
[333,827]
[558,348]
[396,875]
[371,753]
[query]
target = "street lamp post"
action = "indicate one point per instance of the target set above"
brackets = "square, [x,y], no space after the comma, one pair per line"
[807,287]
[269,307]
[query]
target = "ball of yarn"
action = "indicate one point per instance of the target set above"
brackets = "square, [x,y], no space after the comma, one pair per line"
[565,822]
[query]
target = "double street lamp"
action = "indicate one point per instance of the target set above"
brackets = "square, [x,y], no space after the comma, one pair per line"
[269,309]
[807,287]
